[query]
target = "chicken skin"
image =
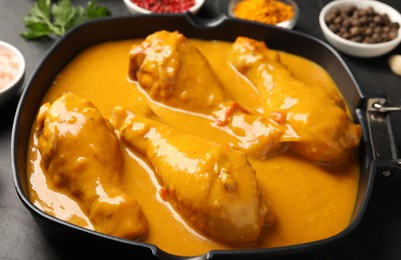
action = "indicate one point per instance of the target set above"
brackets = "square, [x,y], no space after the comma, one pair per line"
[323,130]
[174,72]
[213,187]
[82,158]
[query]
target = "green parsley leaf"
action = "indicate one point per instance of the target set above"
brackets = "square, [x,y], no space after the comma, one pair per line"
[93,11]
[36,30]
[47,19]
[66,16]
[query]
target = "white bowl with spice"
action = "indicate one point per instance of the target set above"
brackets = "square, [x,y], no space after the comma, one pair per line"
[358,28]
[167,6]
[280,13]
[12,71]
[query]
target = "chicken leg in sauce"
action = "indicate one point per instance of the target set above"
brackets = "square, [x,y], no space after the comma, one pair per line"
[323,130]
[82,158]
[212,186]
[174,72]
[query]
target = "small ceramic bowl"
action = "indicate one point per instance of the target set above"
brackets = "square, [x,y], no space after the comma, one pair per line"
[12,72]
[135,9]
[355,48]
[289,24]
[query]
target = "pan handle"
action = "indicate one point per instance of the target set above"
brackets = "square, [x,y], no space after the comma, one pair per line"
[383,145]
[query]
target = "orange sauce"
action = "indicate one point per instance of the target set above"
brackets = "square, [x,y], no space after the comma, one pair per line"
[310,202]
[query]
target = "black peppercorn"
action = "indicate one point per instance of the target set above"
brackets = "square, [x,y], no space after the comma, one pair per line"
[361,25]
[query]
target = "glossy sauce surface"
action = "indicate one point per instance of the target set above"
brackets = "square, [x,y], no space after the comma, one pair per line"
[310,202]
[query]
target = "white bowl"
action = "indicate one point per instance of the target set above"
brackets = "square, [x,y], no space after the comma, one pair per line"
[12,87]
[360,49]
[135,9]
[289,24]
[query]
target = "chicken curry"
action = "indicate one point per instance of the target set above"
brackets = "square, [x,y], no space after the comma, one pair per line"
[195,145]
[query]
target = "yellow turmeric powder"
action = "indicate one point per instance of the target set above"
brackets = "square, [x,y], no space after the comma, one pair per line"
[265,11]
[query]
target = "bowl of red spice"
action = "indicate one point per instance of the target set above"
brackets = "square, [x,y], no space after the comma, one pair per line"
[163,6]
[361,28]
[280,13]
[12,70]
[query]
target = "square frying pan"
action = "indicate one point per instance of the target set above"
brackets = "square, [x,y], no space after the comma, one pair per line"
[378,152]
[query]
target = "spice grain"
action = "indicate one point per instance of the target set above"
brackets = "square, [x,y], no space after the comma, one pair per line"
[8,68]
[363,25]
[165,6]
[265,11]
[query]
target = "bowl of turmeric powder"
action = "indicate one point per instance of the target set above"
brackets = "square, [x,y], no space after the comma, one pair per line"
[281,13]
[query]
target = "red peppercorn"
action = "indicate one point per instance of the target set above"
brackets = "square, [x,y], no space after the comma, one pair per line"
[165,6]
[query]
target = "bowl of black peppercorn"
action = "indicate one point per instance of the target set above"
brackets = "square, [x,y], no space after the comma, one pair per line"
[361,28]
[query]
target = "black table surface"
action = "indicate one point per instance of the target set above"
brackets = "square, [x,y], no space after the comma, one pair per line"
[378,236]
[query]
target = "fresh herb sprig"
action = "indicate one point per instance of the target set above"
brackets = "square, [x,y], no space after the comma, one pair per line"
[46,19]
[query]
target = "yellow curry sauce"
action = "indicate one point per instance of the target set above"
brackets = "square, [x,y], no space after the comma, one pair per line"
[310,202]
